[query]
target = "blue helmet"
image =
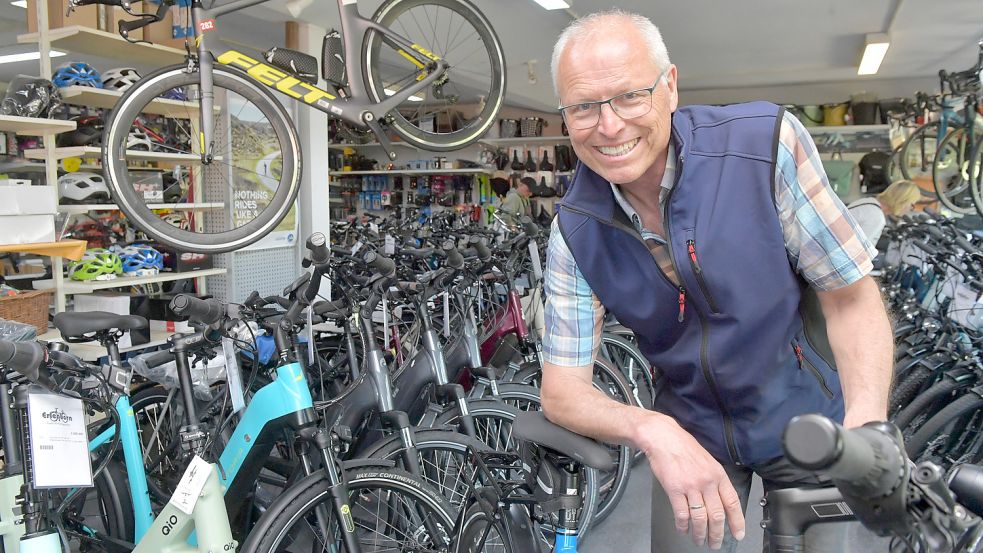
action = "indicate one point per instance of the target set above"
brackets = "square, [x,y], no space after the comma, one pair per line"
[176,93]
[77,73]
[140,258]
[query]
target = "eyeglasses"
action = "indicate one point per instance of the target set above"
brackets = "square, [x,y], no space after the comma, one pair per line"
[628,105]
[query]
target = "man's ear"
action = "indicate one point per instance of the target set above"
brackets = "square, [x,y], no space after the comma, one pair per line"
[671,81]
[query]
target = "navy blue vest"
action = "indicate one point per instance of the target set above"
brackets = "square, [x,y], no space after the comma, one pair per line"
[731,340]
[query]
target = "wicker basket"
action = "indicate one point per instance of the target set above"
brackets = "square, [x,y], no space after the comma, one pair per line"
[27,307]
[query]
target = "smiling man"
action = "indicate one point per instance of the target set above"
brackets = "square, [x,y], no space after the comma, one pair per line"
[713,233]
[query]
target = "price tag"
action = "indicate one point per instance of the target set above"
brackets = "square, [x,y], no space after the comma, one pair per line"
[59,443]
[964,306]
[233,375]
[357,246]
[389,246]
[385,322]
[447,314]
[374,228]
[537,266]
[310,336]
[189,488]
[893,255]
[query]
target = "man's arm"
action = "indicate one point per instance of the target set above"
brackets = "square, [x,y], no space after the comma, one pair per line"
[863,345]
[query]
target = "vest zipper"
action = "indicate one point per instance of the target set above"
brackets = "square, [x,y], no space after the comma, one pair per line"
[704,331]
[803,362]
[682,304]
[691,246]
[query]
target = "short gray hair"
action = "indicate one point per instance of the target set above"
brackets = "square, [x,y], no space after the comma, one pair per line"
[589,24]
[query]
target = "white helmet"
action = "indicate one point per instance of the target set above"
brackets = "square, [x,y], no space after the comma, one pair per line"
[138,140]
[83,187]
[120,78]
[177,219]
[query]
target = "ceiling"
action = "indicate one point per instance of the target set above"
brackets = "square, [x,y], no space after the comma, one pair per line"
[779,50]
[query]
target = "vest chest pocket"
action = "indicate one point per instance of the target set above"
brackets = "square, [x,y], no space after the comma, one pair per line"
[694,262]
[805,364]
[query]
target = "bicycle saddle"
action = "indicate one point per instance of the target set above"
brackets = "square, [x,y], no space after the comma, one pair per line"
[77,324]
[532,426]
[333,310]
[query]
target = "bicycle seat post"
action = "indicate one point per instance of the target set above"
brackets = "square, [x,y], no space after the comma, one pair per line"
[193,435]
[569,513]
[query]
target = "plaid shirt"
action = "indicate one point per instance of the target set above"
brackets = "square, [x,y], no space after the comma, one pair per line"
[824,244]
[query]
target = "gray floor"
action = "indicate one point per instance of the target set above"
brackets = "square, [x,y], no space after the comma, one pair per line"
[627,529]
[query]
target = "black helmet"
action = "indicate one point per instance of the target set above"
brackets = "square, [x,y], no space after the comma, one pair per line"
[88,132]
[30,97]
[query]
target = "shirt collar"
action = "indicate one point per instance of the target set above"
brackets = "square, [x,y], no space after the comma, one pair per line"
[668,180]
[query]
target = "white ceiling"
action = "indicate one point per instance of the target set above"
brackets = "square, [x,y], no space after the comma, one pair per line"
[788,51]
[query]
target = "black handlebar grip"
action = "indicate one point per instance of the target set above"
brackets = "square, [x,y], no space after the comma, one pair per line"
[254,300]
[484,254]
[966,481]
[24,357]
[455,260]
[931,250]
[966,245]
[380,264]
[934,232]
[208,311]
[317,244]
[528,226]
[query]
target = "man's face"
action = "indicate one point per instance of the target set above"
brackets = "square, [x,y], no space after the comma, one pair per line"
[604,65]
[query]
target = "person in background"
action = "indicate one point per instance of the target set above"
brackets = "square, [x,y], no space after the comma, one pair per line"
[896,200]
[516,202]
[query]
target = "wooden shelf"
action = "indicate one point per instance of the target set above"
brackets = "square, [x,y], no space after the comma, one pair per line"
[34,126]
[75,287]
[94,152]
[107,99]
[369,145]
[849,129]
[410,172]
[524,140]
[85,208]
[83,40]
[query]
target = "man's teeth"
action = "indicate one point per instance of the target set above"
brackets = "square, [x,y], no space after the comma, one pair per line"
[618,150]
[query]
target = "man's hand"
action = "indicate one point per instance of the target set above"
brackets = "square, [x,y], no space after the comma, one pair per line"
[700,492]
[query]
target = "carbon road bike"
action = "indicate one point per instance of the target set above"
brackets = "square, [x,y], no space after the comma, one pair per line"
[432,71]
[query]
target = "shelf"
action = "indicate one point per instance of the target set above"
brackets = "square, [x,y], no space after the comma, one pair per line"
[73,287]
[410,172]
[85,208]
[91,351]
[369,145]
[524,140]
[83,40]
[94,152]
[34,126]
[849,129]
[99,98]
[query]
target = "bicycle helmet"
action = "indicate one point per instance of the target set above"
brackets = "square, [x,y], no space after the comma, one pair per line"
[177,219]
[96,264]
[88,132]
[83,187]
[174,187]
[177,93]
[120,78]
[138,140]
[140,260]
[30,97]
[77,73]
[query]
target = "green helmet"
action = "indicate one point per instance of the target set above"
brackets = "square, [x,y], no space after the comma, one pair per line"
[96,263]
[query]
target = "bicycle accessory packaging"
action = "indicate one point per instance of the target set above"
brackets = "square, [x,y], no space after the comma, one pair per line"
[83,187]
[88,132]
[177,93]
[120,78]
[77,73]
[96,264]
[30,97]
[141,260]
[138,140]
[840,174]
[873,172]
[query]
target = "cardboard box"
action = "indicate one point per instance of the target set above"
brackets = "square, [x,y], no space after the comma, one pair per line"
[171,30]
[121,304]
[85,16]
[28,200]
[150,184]
[27,229]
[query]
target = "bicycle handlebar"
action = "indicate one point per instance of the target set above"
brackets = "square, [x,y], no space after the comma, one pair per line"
[27,358]
[207,312]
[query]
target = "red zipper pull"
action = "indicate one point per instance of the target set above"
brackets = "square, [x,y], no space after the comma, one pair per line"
[798,353]
[691,246]
[682,304]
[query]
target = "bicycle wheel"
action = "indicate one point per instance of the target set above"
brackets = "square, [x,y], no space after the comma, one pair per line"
[636,368]
[975,174]
[951,172]
[390,511]
[941,434]
[434,118]
[239,196]
[918,152]
[105,508]
[483,534]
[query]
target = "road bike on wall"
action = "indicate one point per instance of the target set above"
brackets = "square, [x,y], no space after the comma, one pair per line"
[431,71]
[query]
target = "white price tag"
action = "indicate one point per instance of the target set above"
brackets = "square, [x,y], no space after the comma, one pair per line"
[59,443]
[893,255]
[374,228]
[537,266]
[965,308]
[389,247]
[357,246]
[447,314]
[233,375]
[385,323]
[189,488]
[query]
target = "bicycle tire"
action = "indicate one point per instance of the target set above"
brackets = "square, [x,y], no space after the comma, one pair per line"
[967,403]
[924,140]
[950,177]
[976,182]
[633,365]
[115,141]
[276,524]
[113,503]
[923,400]
[479,534]
[377,83]
[908,387]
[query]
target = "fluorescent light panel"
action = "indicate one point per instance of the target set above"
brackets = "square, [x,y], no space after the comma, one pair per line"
[876,48]
[553,4]
[19,3]
[13,58]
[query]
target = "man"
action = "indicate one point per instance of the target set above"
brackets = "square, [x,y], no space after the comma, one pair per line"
[703,229]
[516,202]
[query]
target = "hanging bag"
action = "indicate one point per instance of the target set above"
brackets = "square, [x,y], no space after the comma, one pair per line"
[840,174]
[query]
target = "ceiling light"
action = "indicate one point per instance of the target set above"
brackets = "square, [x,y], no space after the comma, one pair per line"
[19,3]
[13,58]
[876,46]
[411,98]
[553,4]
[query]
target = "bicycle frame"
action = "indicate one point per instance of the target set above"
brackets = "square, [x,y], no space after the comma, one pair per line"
[355,109]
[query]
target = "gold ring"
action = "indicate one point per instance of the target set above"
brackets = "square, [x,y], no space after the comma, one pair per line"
[695,507]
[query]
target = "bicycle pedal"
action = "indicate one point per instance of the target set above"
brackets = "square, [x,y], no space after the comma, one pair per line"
[300,65]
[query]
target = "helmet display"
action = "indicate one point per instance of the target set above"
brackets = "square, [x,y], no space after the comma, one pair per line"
[138,140]
[83,187]
[177,219]
[30,97]
[120,78]
[77,73]
[88,132]
[96,264]
[140,260]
